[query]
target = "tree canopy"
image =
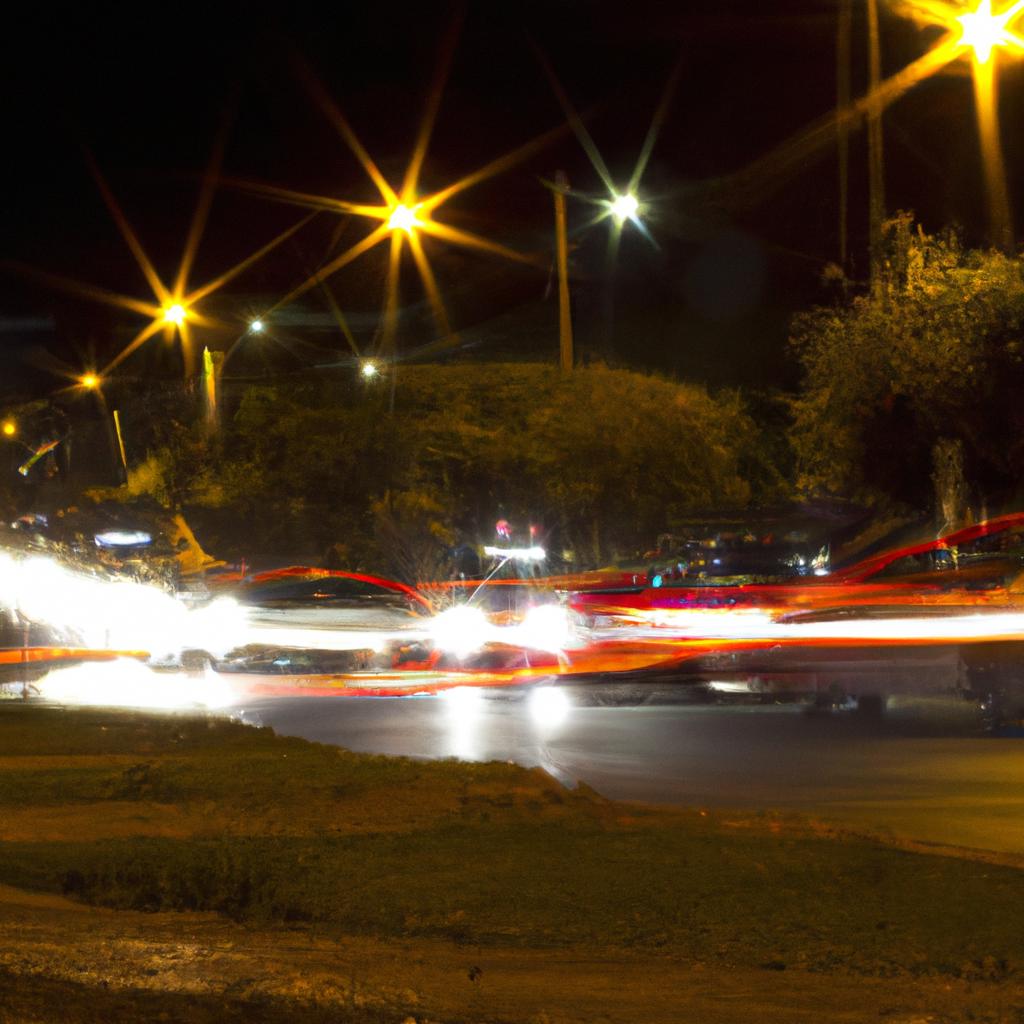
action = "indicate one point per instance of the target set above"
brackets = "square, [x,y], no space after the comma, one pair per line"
[395,472]
[933,356]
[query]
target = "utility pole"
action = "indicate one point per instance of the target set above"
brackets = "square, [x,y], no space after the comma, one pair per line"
[843,33]
[562,254]
[876,166]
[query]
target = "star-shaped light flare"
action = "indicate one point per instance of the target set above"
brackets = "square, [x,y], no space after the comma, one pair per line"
[979,30]
[174,309]
[403,215]
[619,206]
[982,34]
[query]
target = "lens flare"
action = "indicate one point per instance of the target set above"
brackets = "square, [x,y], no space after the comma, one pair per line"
[403,218]
[460,630]
[130,684]
[174,314]
[549,708]
[625,207]
[545,627]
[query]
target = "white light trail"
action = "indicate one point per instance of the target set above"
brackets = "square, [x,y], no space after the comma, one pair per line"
[128,683]
[759,624]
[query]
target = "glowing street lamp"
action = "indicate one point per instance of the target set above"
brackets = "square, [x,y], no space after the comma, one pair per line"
[983,31]
[624,207]
[9,428]
[403,218]
[256,326]
[175,314]
[90,381]
[982,34]
[369,369]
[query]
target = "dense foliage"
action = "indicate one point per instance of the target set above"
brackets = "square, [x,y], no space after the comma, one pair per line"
[925,370]
[395,473]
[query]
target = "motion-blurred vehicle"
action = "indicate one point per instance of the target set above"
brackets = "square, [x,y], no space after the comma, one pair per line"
[305,620]
[942,614]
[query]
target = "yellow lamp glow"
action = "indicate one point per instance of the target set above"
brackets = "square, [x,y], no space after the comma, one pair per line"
[402,218]
[368,369]
[89,380]
[624,207]
[9,428]
[983,31]
[174,314]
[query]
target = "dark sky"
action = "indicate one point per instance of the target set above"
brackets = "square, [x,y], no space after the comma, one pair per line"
[144,88]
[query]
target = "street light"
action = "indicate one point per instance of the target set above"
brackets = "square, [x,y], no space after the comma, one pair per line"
[624,207]
[175,314]
[983,33]
[90,381]
[403,218]
[256,327]
[9,428]
[369,369]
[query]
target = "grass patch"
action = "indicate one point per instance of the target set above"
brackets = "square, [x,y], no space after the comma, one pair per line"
[745,899]
[487,854]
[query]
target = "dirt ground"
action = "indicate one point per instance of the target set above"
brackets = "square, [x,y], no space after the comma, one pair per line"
[62,961]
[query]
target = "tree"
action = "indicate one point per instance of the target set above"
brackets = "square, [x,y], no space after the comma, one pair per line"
[934,358]
[600,460]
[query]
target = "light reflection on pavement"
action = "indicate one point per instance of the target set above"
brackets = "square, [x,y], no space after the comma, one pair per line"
[923,772]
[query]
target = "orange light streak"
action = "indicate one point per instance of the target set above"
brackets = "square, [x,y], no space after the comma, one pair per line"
[335,265]
[391,296]
[430,284]
[419,153]
[163,296]
[86,291]
[202,212]
[471,241]
[767,173]
[229,275]
[344,129]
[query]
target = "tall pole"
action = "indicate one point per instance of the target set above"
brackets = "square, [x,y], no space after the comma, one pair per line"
[876,172]
[562,247]
[843,32]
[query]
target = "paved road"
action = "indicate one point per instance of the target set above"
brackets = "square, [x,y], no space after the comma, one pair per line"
[924,771]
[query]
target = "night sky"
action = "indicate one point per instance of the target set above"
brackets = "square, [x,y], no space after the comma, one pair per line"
[144,91]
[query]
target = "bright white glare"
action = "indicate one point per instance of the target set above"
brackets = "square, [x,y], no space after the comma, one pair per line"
[549,708]
[463,704]
[545,627]
[460,630]
[116,614]
[533,554]
[174,314]
[127,683]
[368,369]
[256,327]
[464,708]
[402,218]
[122,538]
[983,31]
[625,207]
[763,624]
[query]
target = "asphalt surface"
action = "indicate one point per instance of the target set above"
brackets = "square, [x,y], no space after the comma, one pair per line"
[922,771]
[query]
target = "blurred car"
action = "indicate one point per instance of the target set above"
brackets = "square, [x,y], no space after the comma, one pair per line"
[942,614]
